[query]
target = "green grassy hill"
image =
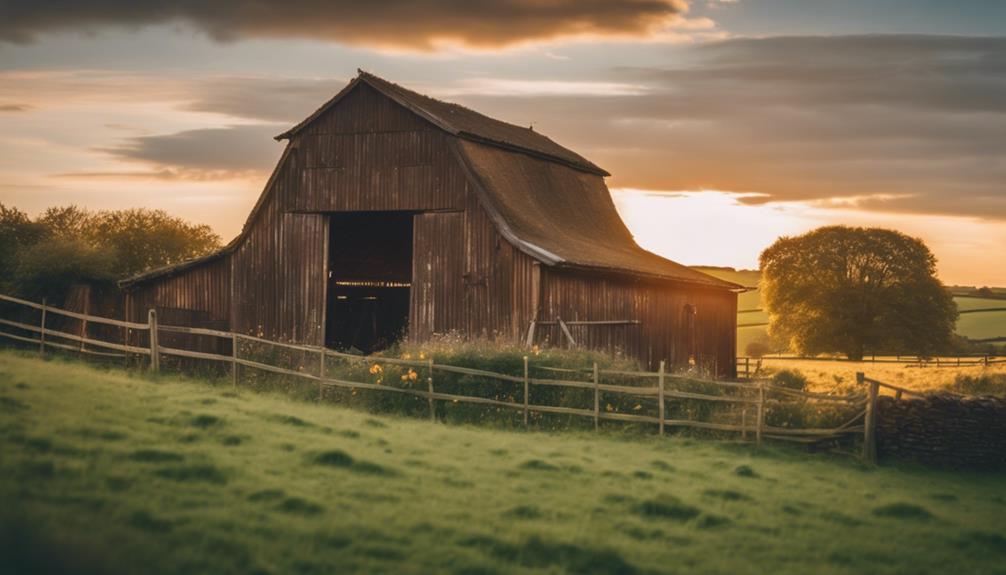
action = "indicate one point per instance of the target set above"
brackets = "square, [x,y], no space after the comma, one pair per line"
[103,472]
[981,317]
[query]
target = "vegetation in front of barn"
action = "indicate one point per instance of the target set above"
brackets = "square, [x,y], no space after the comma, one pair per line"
[107,472]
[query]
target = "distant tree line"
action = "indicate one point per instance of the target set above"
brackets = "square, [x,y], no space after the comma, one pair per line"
[44,256]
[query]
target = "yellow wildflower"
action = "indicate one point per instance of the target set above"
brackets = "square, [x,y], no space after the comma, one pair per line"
[422,355]
[406,356]
[376,369]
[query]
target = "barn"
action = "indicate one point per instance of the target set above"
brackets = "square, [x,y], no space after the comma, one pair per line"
[392,214]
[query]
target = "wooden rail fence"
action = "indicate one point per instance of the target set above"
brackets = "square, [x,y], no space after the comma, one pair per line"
[747,395]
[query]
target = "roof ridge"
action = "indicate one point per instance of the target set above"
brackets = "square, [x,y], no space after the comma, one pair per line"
[461,121]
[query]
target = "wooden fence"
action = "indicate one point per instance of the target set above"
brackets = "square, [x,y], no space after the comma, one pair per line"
[753,398]
[750,365]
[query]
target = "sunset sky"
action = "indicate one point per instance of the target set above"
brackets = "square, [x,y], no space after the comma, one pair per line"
[725,123]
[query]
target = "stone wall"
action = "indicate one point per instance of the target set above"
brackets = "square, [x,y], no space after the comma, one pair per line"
[944,431]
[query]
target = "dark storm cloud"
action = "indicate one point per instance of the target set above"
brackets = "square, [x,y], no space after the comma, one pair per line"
[402,23]
[198,153]
[286,100]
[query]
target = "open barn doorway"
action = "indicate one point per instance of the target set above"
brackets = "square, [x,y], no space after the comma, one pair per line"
[370,274]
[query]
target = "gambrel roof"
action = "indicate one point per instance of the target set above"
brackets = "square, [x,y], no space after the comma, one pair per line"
[547,200]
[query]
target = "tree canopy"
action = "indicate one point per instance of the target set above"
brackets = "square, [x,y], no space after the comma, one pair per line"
[854,291]
[44,256]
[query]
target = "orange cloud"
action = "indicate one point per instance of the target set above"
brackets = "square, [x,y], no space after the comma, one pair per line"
[408,24]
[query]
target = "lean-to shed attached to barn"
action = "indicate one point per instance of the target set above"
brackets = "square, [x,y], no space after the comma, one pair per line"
[391,213]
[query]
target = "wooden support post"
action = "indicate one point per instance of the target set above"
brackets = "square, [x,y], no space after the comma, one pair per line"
[41,336]
[747,367]
[660,396]
[234,360]
[429,382]
[870,423]
[321,374]
[527,386]
[530,333]
[155,355]
[597,399]
[761,412]
[566,332]
[744,423]
[83,322]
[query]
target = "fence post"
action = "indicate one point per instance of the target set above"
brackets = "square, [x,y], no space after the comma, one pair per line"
[526,392]
[321,374]
[744,423]
[761,412]
[429,382]
[660,396]
[870,420]
[597,399]
[155,355]
[41,337]
[234,360]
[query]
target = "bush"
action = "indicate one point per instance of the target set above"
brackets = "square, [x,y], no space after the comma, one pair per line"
[790,379]
[988,384]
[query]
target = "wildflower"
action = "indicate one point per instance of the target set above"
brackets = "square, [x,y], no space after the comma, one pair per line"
[406,356]
[376,369]
[422,355]
[637,408]
[536,350]
[609,407]
[412,375]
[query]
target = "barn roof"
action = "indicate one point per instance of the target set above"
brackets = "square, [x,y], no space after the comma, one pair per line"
[461,122]
[548,201]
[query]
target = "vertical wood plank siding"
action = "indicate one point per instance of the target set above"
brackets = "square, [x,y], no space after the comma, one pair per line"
[660,307]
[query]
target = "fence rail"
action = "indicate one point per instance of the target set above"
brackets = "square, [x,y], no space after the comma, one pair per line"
[747,395]
[746,363]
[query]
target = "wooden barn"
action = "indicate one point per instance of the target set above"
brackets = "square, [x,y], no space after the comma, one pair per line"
[393,214]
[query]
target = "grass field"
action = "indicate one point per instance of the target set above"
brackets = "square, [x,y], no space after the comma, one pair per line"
[106,472]
[832,376]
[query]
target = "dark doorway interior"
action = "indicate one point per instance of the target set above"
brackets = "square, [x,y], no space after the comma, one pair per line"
[370,273]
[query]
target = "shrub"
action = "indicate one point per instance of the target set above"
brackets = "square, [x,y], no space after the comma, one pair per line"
[987,384]
[757,349]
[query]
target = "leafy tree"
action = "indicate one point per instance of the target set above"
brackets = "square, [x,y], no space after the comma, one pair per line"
[68,244]
[853,290]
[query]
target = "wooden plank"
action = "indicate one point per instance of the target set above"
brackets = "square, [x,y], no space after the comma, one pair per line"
[704,397]
[195,331]
[273,369]
[562,410]
[628,389]
[429,383]
[75,315]
[58,345]
[155,357]
[660,397]
[526,392]
[162,350]
[629,417]
[280,344]
[562,383]
[480,372]
[530,334]
[234,361]
[870,422]
[97,342]
[565,330]
[41,337]
[761,413]
[597,399]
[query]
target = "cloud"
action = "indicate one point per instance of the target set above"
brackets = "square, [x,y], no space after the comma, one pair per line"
[205,154]
[901,123]
[423,25]
[15,107]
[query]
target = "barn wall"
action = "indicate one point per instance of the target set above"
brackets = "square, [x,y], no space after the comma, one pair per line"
[196,297]
[662,333]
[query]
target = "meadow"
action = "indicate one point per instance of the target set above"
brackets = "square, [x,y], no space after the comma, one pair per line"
[104,471]
[827,376]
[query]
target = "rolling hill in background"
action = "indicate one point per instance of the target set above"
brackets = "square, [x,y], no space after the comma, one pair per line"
[983,311]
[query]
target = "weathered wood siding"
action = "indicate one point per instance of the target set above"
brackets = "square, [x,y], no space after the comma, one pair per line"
[662,333]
